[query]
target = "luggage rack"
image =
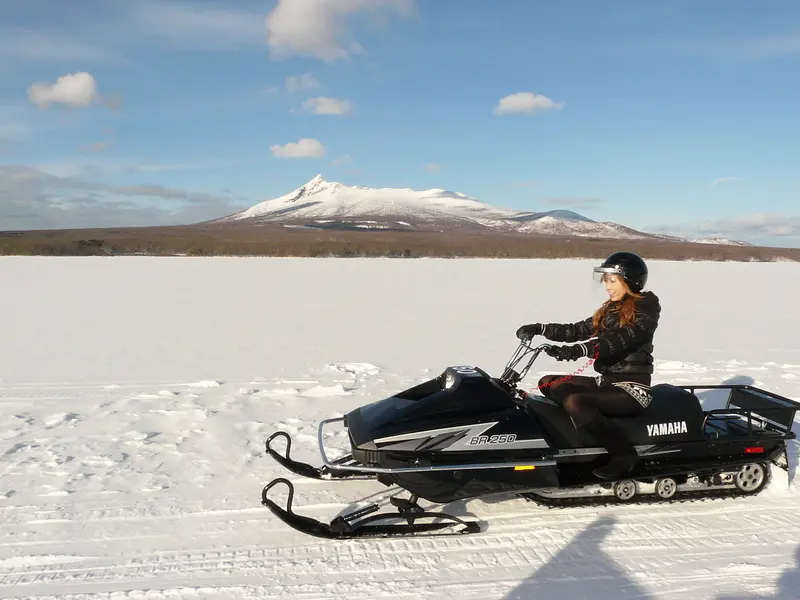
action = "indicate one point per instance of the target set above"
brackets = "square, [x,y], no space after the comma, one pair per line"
[766,413]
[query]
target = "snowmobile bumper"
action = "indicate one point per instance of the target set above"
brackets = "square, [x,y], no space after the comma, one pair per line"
[330,470]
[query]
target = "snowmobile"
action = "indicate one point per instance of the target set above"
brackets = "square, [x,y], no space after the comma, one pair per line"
[465,434]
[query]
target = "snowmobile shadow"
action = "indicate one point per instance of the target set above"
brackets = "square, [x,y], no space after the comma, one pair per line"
[581,571]
[459,507]
[788,585]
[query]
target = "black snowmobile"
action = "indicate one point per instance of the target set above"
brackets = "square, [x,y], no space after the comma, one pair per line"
[466,434]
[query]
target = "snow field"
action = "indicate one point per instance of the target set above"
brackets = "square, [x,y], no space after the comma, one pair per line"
[138,393]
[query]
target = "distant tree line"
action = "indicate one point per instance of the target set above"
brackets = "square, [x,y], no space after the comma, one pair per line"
[276,241]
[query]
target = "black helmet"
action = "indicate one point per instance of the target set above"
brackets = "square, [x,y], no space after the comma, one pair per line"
[631,266]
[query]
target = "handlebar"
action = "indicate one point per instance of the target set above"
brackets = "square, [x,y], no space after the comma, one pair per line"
[510,375]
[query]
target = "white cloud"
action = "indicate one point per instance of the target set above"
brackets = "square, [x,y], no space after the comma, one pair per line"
[196,23]
[18,123]
[576,203]
[74,89]
[769,47]
[344,159]
[95,146]
[298,83]
[768,227]
[94,164]
[328,106]
[761,224]
[13,131]
[111,29]
[524,184]
[736,48]
[303,148]
[719,180]
[32,198]
[22,43]
[526,102]
[318,28]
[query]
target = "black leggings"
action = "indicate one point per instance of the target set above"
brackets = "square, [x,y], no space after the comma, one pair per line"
[585,401]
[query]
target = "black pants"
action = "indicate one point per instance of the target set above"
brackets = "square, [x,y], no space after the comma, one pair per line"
[585,401]
[590,405]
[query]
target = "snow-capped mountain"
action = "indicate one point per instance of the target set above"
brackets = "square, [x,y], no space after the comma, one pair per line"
[321,204]
[720,240]
[549,224]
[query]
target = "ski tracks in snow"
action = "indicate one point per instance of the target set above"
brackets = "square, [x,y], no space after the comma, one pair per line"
[152,491]
[587,557]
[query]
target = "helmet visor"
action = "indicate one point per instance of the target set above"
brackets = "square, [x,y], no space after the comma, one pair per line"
[606,282]
[602,273]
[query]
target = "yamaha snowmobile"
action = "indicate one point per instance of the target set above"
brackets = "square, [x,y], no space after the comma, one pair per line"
[465,434]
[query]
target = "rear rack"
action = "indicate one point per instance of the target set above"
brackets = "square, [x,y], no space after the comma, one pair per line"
[773,412]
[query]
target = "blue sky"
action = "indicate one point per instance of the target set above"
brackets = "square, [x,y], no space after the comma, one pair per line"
[681,117]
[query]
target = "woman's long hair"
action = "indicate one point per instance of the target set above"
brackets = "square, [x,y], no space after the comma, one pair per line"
[627,309]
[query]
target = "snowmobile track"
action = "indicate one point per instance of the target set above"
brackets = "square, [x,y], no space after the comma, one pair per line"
[681,497]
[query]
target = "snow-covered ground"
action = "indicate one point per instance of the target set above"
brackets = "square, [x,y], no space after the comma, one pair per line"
[137,394]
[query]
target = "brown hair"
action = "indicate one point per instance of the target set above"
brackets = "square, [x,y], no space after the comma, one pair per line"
[627,309]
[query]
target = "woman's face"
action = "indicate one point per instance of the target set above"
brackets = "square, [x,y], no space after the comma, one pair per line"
[615,287]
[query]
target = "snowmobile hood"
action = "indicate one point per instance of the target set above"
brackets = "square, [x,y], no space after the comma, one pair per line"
[459,397]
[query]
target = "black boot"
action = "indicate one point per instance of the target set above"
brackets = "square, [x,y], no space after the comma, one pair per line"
[612,438]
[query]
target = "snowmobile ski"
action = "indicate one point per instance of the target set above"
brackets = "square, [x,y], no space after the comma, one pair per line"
[361,523]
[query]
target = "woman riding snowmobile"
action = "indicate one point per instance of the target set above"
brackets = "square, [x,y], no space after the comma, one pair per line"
[620,339]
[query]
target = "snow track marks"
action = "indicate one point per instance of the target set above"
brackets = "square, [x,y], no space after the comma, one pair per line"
[151,491]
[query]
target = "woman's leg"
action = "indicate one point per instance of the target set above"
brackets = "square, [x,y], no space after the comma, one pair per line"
[558,386]
[590,409]
[585,405]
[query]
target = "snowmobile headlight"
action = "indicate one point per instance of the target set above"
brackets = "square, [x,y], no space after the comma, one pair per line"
[449,380]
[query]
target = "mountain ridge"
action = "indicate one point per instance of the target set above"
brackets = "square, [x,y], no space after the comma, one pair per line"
[321,204]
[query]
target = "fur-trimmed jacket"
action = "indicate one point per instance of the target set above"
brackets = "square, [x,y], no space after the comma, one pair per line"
[619,351]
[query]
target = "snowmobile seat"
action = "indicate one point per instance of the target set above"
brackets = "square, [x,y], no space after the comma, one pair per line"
[674,414]
[668,398]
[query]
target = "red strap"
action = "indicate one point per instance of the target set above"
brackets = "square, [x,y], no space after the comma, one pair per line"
[566,377]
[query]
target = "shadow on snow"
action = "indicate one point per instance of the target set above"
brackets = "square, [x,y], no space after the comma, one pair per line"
[583,570]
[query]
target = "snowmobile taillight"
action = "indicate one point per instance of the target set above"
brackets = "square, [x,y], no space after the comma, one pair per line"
[753,450]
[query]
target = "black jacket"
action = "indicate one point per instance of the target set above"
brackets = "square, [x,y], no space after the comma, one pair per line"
[621,351]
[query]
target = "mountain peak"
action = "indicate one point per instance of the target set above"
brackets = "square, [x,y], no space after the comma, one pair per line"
[323,200]
[316,184]
[320,204]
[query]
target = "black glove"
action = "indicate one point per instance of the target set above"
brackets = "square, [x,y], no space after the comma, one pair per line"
[526,332]
[573,352]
